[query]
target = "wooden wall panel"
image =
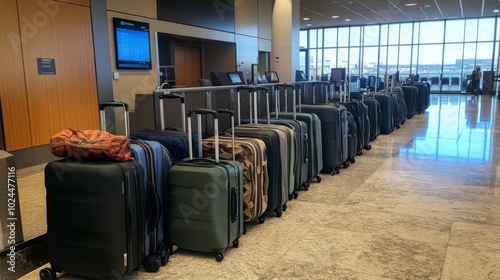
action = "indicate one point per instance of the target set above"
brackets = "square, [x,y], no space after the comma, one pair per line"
[12,87]
[77,2]
[68,98]
[187,66]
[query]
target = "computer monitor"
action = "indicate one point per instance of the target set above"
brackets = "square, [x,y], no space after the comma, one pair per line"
[235,78]
[272,77]
[300,76]
[338,74]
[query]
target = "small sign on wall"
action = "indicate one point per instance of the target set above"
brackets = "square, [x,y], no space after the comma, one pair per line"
[46,66]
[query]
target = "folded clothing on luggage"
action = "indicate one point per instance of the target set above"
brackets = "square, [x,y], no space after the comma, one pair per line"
[90,145]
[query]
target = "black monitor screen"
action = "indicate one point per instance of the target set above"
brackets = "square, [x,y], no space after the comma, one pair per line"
[235,78]
[132,44]
[272,77]
[300,76]
[338,74]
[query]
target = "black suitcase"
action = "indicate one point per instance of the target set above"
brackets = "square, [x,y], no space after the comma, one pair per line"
[334,134]
[373,115]
[95,218]
[174,139]
[352,136]
[423,97]
[410,94]
[386,119]
[400,107]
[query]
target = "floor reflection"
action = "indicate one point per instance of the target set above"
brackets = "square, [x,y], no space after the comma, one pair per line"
[457,128]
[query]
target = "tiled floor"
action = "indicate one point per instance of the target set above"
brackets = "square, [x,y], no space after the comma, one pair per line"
[423,203]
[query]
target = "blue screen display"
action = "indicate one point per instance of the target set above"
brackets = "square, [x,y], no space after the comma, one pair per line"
[132,44]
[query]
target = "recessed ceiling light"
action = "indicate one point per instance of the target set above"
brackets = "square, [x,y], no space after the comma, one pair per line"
[427,6]
[309,24]
[347,19]
[410,4]
[306,18]
[495,11]
[335,16]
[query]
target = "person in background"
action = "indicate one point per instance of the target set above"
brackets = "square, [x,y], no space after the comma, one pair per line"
[475,78]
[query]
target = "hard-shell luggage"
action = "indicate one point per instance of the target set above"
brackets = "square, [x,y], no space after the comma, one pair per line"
[276,152]
[206,199]
[352,138]
[410,94]
[334,134]
[423,97]
[387,105]
[400,106]
[174,139]
[95,218]
[314,146]
[373,115]
[156,161]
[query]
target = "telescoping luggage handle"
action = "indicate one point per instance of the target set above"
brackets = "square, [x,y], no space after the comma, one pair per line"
[126,114]
[250,90]
[201,112]
[345,91]
[294,98]
[183,109]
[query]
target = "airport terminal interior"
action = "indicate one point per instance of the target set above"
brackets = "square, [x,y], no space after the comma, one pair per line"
[422,203]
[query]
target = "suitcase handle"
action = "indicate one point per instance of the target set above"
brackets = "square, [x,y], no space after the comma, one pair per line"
[200,112]
[256,113]
[161,97]
[114,104]
[278,86]
[245,88]
[234,205]
[277,99]
[154,200]
[231,113]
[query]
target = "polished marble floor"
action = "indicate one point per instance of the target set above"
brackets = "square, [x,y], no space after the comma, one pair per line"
[423,203]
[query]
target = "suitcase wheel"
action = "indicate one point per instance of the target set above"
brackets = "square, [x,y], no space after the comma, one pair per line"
[368,147]
[261,219]
[279,212]
[353,160]
[219,257]
[360,152]
[295,195]
[244,230]
[345,164]
[153,263]
[48,274]
[290,196]
[236,243]
[165,256]
[318,179]
[306,186]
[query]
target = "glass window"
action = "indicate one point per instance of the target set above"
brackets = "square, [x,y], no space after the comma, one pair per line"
[405,33]
[392,58]
[354,60]
[454,31]
[431,32]
[414,59]
[383,61]
[469,61]
[383,34]
[330,37]
[303,39]
[495,60]
[355,36]
[330,59]
[370,61]
[486,29]
[343,37]
[320,38]
[404,61]
[313,38]
[302,61]
[498,29]
[416,32]
[314,63]
[394,34]
[343,58]
[430,59]
[471,30]
[484,56]
[371,35]
[452,63]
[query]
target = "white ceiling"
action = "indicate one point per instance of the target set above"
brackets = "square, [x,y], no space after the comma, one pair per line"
[362,12]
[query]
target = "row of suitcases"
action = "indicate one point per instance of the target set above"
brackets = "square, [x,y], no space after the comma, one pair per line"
[259,165]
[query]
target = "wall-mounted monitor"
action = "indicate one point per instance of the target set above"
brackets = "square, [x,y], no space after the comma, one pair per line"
[236,78]
[132,44]
[300,76]
[272,77]
[338,74]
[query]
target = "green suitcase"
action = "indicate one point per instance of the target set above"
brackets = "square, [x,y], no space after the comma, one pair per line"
[206,200]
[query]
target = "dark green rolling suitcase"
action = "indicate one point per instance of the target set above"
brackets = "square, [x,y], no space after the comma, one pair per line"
[206,199]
